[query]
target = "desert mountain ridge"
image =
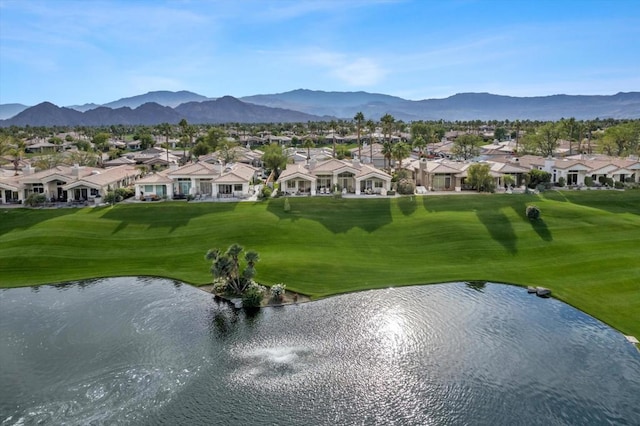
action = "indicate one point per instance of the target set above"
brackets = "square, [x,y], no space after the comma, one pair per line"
[314,105]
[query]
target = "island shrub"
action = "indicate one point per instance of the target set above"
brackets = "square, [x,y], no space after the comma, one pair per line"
[220,286]
[588,181]
[618,185]
[277,292]
[533,212]
[253,295]
[287,205]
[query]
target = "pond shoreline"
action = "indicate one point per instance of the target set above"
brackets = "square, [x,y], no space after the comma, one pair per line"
[289,298]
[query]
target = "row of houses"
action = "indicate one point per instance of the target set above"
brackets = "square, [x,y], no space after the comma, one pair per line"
[66,183]
[447,175]
[211,178]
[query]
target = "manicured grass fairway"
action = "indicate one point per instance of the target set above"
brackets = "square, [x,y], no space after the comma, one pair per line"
[586,248]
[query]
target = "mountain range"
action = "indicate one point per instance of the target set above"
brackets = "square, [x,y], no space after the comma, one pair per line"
[308,105]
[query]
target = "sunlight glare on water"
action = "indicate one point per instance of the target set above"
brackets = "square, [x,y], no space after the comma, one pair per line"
[152,351]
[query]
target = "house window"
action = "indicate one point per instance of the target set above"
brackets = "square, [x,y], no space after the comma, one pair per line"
[148,188]
[38,188]
[184,185]
[378,184]
[94,192]
[291,184]
[572,177]
[237,187]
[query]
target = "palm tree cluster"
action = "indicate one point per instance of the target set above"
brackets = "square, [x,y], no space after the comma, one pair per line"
[227,266]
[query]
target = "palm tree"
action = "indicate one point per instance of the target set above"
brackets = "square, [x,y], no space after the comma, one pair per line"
[233,252]
[251,257]
[308,143]
[387,151]
[400,151]
[333,125]
[419,143]
[165,130]
[359,119]
[371,129]
[387,126]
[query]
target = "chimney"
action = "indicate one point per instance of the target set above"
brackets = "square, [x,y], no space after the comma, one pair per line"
[75,170]
[27,171]
[312,164]
[356,163]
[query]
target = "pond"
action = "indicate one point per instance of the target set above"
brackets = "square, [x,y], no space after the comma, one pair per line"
[155,351]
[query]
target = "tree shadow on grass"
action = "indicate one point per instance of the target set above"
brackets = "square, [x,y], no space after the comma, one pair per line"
[338,215]
[538,225]
[407,205]
[611,201]
[499,227]
[13,219]
[541,229]
[164,215]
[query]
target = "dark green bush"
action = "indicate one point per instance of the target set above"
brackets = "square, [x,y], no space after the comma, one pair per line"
[588,181]
[536,177]
[618,185]
[533,212]
[252,297]
[562,182]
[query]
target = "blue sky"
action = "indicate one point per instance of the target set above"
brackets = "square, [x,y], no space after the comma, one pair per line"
[75,52]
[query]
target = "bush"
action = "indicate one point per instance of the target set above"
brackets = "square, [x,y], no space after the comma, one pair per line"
[605,181]
[252,296]
[112,197]
[562,182]
[588,181]
[265,192]
[391,192]
[124,193]
[535,177]
[35,199]
[533,212]
[406,187]
[618,185]
[220,286]
[277,291]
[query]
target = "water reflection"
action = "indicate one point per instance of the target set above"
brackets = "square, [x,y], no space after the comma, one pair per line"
[149,351]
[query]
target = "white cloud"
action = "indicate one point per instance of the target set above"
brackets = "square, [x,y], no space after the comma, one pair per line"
[356,72]
[360,72]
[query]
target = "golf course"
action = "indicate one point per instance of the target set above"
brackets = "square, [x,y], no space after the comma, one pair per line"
[585,247]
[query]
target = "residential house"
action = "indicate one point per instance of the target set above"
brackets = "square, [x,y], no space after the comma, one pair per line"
[199,179]
[66,183]
[351,177]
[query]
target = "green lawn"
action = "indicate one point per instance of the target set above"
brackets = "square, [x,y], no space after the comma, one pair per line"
[586,248]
